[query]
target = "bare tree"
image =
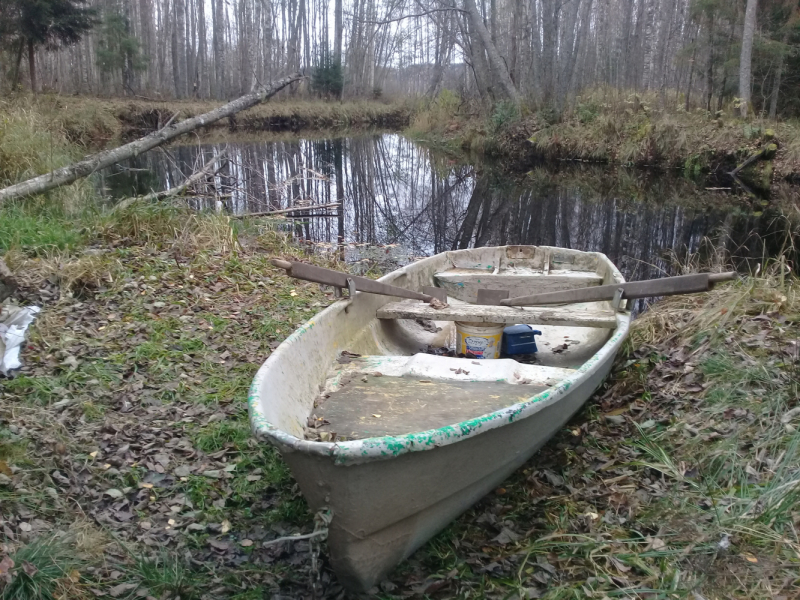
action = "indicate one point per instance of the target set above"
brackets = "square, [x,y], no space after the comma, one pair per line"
[746,58]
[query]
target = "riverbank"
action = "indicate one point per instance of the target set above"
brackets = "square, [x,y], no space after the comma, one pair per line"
[618,132]
[127,467]
[96,122]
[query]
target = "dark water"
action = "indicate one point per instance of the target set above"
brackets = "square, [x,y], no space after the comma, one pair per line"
[415,202]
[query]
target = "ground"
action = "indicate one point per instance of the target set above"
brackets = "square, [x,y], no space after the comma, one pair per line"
[128,470]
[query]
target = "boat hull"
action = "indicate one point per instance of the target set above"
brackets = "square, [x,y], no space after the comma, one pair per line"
[389,495]
[385,510]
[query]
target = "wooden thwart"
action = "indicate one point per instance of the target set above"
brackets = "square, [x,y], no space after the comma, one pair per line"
[668,286]
[472,313]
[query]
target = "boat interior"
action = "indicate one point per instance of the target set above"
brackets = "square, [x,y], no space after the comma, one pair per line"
[403,374]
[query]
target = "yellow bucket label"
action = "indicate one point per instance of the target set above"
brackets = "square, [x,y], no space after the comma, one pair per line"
[481,346]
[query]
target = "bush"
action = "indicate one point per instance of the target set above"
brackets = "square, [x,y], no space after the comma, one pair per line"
[504,114]
[587,112]
[327,79]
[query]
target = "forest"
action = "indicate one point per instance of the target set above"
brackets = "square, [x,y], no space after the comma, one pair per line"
[544,53]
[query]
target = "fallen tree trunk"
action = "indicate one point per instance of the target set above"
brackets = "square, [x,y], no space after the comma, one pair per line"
[101,160]
[178,189]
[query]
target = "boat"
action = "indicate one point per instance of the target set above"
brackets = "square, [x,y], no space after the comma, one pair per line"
[394,436]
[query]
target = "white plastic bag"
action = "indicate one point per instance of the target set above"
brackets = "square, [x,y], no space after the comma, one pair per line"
[14,322]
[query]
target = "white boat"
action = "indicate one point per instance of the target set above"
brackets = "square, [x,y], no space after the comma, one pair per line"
[414,439]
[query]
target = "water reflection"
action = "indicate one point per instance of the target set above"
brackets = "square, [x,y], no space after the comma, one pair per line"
[395,192]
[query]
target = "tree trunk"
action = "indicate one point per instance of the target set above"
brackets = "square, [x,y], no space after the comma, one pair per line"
[179,59]
[101,160]
[710,68]
[337,32]
[32,64]
[496,63]
[202,52]
[219,48]
[691,74]
[746,57]
[776,86]
[18,64]
[477,55]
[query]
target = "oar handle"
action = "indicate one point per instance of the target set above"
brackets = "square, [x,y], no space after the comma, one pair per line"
[341,280]
[718,277]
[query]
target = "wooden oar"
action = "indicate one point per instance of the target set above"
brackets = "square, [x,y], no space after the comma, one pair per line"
[667,286]
[341,280]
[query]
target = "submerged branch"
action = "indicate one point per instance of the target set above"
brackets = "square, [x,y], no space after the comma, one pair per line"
[179,189]
[284,211]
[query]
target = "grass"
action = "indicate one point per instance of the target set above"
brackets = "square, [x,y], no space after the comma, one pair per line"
[621,128]
[45,569]
[165,575]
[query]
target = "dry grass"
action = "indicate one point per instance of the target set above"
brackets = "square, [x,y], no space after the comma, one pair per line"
[611,126]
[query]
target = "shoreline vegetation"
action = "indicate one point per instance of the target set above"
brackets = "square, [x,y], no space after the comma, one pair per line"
[602,128]
[618,129]
[127,429]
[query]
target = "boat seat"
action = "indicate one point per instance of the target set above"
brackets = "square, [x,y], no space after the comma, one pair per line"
[519,281]
[393,395]
[566,316]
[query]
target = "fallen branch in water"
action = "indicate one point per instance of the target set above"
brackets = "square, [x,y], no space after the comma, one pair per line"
[101,160]
[749,161]
[284,211]
[179,189]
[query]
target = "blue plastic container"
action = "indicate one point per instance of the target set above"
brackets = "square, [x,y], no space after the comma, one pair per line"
[519,339]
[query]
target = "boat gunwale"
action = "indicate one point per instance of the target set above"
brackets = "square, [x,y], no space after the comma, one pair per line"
[385,447]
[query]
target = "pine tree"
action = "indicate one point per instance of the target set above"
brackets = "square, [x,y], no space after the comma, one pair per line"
[50,24]
[118,50]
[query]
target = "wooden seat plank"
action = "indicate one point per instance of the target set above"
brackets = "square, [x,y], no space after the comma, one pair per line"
[473,313]
[519,281]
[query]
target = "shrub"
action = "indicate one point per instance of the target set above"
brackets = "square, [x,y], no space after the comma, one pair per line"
[327,79]
[504,114]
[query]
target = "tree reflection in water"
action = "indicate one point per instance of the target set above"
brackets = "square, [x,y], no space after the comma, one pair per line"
[395,192]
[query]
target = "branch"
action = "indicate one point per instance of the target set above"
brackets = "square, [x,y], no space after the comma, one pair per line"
[749,161]
[284,211]
[401,17]
[101,160]
[179,189]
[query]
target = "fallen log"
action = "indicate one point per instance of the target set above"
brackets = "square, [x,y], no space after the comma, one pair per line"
[101,160]
[178,189]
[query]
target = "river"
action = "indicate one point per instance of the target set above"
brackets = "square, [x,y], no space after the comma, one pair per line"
[401,200]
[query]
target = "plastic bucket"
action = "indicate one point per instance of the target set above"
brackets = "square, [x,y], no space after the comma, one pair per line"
[481,340]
